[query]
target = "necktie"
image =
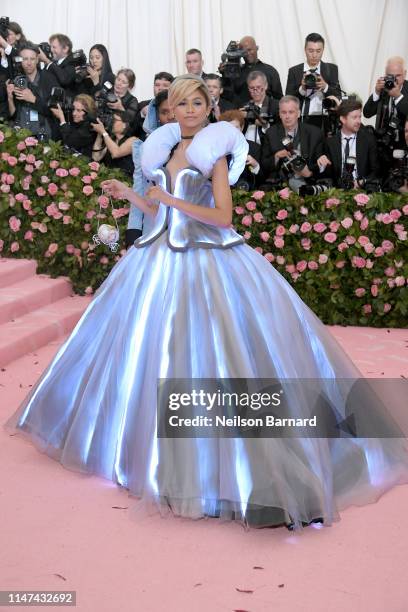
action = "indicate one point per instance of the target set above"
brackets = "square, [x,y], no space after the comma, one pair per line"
[346,150]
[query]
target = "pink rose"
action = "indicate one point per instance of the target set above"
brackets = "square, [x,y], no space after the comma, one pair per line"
[258,217]
[66,219]
[379,252]
[258,195]
[90,214]
[363,240]
[104,260]
[405,209]
[387,219]
[312,265]
[387,307]
[295,276]
[40,191]
[74,171]
[319,227]
[21,146]
[280,260]
[20,197]
[52,189]
[340,264]
[42,227]
[350,239]
[31,158]
[12,161]
[330,237]
[94,166]
[38,163]
[87,190]
[238,209]
[395,214]
[364,224]
[247,220]
[369,248]
[29,236]
[250,205]
[10,179]
[369,264]
[64,206]
[361,199]
[330,202]
[5,188]
[14,247]
[29,168]
[31,141]
[14,224]
[390,271]
[269,257]
[306,243]
[61,172]
[367,308]
[282,214]
[305,227]
[360,292]
[5,156]
[89,290]
[280,230]
[70,249]
[1,136]
[279,243]
[54,164]
[374,290]
[290,268]
[342,246]
[45,179]
[53,248]
[247,235]
[399,281]
[87,227]
[347,222]
[264,236]
[402,235]
[303,210]
[301,266]
[387,246]
[87,179]
[51,209]
[323,258]
[259,250]
[294,228]
[284,194]
[391,283]
[1,245]
[358,215]
[358,262]
[12,201]
[334,226]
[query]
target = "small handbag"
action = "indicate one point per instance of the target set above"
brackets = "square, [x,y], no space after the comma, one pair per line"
[107,234]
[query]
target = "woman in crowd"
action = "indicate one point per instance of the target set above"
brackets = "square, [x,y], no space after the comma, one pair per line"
[78,134]
[114,147]
[99,71]
[124,82]
[248,179]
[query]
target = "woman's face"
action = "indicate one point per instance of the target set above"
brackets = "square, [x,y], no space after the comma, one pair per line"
[192,112]
[78,112]
[11,38]
[118,126]
[96,59]
[121,86]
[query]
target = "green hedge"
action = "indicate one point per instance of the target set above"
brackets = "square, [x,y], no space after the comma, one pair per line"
[344,252]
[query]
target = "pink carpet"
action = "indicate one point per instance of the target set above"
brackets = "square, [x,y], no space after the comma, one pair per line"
[64,531]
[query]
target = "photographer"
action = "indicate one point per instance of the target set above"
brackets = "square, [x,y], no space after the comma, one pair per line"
[125,81]
[236,89]
[11,39]
[397,180]
[218,103]
[389,103]
[261,110]
[290,149]
[350,157]
[313,81]
[249,178]
[28,95]
[97,73]
[78,135]
[62,66]
[114,149]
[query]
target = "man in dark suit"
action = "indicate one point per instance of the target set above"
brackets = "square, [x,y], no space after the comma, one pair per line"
[306,140]
[219,104]
[322,80]
[352,142]
[237,88]
[62,66]
[261,110]
[390,102]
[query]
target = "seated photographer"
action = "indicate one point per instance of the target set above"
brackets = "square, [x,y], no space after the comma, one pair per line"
[350,157]
[249,178]
[236,89]
[261,110]
[98,71]
[114,147]
[62,66]
[161,82]
[125,81]
[290,149]
[78,135]
[28,95]
[313,81]
[218,103]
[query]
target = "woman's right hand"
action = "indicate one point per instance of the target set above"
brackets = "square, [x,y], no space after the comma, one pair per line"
[116,189]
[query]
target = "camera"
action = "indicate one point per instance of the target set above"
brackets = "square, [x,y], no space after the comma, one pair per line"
[347,178]
[253,112]
[390,81]
[106,96]
[20,81]
[4,25]
[58,96]
[46,49]
[370,185]
[310,80]
[78,59]
[319,187]
[399,172]
[294,163]
[329,104]
[231,60]
[386,135]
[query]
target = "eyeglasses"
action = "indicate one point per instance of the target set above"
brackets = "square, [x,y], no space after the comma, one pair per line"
[259,88]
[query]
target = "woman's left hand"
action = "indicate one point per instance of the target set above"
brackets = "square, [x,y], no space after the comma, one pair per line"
[157,193]
[98,126]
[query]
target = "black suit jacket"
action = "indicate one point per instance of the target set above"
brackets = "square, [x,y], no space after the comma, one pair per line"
[65,74]
[329,72]
[380,109]
[270,107]
[237,89]
[366,156]
[311,146]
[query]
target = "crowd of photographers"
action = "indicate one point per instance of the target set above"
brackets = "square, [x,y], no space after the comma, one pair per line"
[311,137]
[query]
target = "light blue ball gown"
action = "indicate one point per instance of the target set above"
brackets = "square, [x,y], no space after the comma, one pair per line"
[191,300]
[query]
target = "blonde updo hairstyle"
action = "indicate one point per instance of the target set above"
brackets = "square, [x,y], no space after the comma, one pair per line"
[185,85]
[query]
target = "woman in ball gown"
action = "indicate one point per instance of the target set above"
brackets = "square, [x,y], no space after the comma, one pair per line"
[191,300]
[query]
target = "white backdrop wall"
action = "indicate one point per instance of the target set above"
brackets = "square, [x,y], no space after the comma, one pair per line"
[153,36]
